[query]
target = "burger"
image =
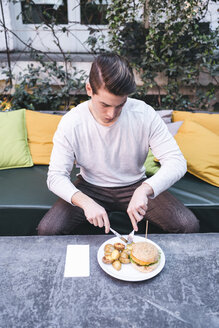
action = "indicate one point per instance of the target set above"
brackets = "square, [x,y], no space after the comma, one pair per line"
[144,256]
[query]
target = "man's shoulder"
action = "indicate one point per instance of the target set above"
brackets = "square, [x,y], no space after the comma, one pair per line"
[75,115]
[139,106]
[78,110]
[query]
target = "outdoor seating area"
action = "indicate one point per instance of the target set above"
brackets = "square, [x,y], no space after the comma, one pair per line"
[109,164]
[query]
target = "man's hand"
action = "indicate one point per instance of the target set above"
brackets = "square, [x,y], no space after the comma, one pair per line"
[138,204]
[94,212]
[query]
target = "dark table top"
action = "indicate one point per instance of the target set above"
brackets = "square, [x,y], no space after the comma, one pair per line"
[35,293]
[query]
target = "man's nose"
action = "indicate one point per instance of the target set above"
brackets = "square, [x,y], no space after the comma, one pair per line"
[111,113]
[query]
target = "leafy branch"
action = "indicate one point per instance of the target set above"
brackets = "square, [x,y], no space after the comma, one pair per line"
[169,39]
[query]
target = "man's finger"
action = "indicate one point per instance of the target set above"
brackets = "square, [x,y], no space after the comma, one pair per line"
[141,211]
[106,223]
[90,220]
[100,221]
[138,217]
[95,223]
[133,221]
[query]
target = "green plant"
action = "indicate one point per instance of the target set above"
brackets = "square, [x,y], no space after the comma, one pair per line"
[169,38]
[46,86]
[93,12]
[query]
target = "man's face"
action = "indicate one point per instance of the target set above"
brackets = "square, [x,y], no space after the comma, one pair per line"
[105,106]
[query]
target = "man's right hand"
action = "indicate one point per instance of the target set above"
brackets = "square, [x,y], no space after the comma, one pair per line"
[95,213]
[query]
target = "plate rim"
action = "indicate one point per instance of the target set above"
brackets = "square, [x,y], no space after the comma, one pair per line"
[117,275]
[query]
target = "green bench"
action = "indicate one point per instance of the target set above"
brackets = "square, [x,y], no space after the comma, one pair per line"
[25,198]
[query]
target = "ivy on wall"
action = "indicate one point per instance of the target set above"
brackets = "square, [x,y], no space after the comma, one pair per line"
[44,85]
[166,38]
[162,39]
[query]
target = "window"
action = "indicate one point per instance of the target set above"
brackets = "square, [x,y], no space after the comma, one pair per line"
[93,12]
[33,21]
[44,11]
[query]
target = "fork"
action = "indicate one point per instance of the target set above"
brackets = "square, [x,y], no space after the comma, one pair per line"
[131,237]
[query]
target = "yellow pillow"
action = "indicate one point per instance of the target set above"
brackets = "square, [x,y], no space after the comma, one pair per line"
[209,121]
[40,130]
[200,148]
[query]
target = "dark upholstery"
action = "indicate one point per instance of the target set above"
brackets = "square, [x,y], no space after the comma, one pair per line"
[25,198]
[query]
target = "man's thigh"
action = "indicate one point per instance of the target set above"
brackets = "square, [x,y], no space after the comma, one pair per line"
[169,214]
[165,211]
[63,217]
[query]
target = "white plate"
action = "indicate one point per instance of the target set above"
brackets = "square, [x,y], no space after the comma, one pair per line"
[128,272]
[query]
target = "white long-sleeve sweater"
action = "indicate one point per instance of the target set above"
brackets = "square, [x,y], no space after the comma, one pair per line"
[113,156]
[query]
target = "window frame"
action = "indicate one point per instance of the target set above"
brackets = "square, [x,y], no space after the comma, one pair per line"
[33,30]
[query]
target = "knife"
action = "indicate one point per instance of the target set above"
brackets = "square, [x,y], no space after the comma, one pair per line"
[118,235]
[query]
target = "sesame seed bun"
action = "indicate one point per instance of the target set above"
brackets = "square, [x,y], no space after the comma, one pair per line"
[144,256]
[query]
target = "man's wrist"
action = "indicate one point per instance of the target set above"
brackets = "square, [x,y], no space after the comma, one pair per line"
[81,200]
[148,189]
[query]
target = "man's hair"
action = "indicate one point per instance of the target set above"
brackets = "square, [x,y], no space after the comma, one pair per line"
[113,73]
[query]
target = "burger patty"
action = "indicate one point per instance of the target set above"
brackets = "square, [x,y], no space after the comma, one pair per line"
[136,261]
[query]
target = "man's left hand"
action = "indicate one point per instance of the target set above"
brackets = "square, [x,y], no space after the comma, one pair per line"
[138,204]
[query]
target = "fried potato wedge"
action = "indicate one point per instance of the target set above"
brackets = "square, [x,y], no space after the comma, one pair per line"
[117,265]
[119,246]
[124,254]
[124,261]
[108,248]
[107,259]
[115,254]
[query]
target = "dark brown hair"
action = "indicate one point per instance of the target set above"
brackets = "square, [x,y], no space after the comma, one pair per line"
[113,73]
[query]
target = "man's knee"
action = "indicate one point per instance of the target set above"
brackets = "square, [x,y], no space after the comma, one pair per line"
[171,215]
[44,230]
[187,223]
[178,219]
[192,224]
[57,220]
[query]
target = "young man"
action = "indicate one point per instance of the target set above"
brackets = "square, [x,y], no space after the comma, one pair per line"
[109,137]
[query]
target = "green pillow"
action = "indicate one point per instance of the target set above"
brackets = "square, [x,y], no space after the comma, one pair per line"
[14,149]
[150,165]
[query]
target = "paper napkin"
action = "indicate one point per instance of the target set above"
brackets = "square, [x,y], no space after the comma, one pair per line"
[77,262]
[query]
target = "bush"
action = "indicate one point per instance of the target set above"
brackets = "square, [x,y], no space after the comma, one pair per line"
[46,86]
[168,38]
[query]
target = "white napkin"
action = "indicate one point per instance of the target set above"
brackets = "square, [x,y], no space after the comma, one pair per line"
[77,262]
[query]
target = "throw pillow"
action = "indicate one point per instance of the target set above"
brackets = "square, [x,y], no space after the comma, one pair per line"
[209,121]
[40,130]
[14,150]
[165,114]
[200,148]
[151,167]
[174,127]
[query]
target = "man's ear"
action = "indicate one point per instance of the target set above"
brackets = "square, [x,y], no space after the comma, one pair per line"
[89,90]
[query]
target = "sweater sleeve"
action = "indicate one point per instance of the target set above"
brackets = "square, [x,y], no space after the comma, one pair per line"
[61,163]
[166,150]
